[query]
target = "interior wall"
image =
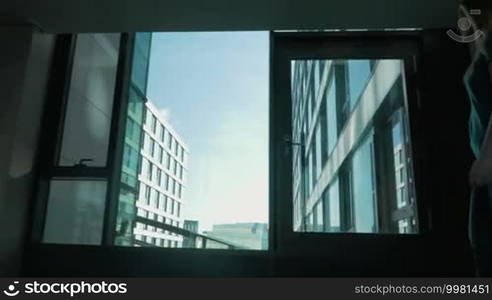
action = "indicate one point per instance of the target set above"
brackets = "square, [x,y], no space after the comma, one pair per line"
[63,16]
[24,63]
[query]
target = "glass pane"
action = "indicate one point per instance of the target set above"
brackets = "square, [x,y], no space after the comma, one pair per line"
[359,73]
[363,189]
[132,161]
[331,112]
[357,100]
[203,181]
[75,212]
[90,100]
[141,61]
[333,214]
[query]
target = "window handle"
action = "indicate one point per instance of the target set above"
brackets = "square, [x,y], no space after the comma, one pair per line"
[83,162]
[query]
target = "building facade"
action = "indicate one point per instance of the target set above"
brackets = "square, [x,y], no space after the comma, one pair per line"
[253,236]
[352,171]
[162,181]
[131,164]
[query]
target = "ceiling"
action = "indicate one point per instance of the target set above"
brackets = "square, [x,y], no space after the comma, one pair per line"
[216,15]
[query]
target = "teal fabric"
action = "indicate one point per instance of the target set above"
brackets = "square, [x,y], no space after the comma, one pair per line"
[479,88]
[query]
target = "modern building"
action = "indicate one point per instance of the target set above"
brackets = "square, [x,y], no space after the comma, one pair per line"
[153,166]
[349,125]
[162,181]
[243,235]
[130,167]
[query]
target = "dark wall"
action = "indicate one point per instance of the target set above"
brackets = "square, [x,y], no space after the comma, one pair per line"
[52,260]
[448,157]
[24,66]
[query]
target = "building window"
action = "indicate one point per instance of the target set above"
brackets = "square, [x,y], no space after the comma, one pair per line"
[153,196]
[330,110]
[147,118]
[163,133]
[159,174]
[160,202]
[318,151]
[359,73]
[150,171]
[331,206]
[172,207]
[147,193]
[322,137]
[168,162]
[169,141]
[364,194]
[154,124]
[166,201]
[318,217]
[161,155]
[167,182]
[152,147]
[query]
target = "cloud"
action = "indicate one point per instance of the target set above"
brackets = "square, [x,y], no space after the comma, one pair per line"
[165,113]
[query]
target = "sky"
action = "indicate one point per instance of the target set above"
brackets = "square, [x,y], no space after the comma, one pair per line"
[213,88]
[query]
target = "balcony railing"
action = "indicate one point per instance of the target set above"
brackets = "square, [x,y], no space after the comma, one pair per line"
[196,240]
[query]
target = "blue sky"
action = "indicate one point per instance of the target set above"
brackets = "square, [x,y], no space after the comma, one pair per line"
[213,88]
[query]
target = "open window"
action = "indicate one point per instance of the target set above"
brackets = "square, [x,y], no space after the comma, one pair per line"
[344,136]
[158,145]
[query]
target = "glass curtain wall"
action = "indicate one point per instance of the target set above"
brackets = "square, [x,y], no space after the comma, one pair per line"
[349,125]
[130,185]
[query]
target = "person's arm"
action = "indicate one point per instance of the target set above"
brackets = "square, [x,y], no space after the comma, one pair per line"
[481,171]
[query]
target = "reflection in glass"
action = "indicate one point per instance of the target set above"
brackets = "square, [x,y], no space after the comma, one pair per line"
[359,72]
[90,100]
[75,212]
[359,118]
[363,189]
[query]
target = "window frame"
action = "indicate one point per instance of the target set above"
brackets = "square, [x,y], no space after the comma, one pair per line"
[53,126]
[281,236]
[289,46]
[112,170]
